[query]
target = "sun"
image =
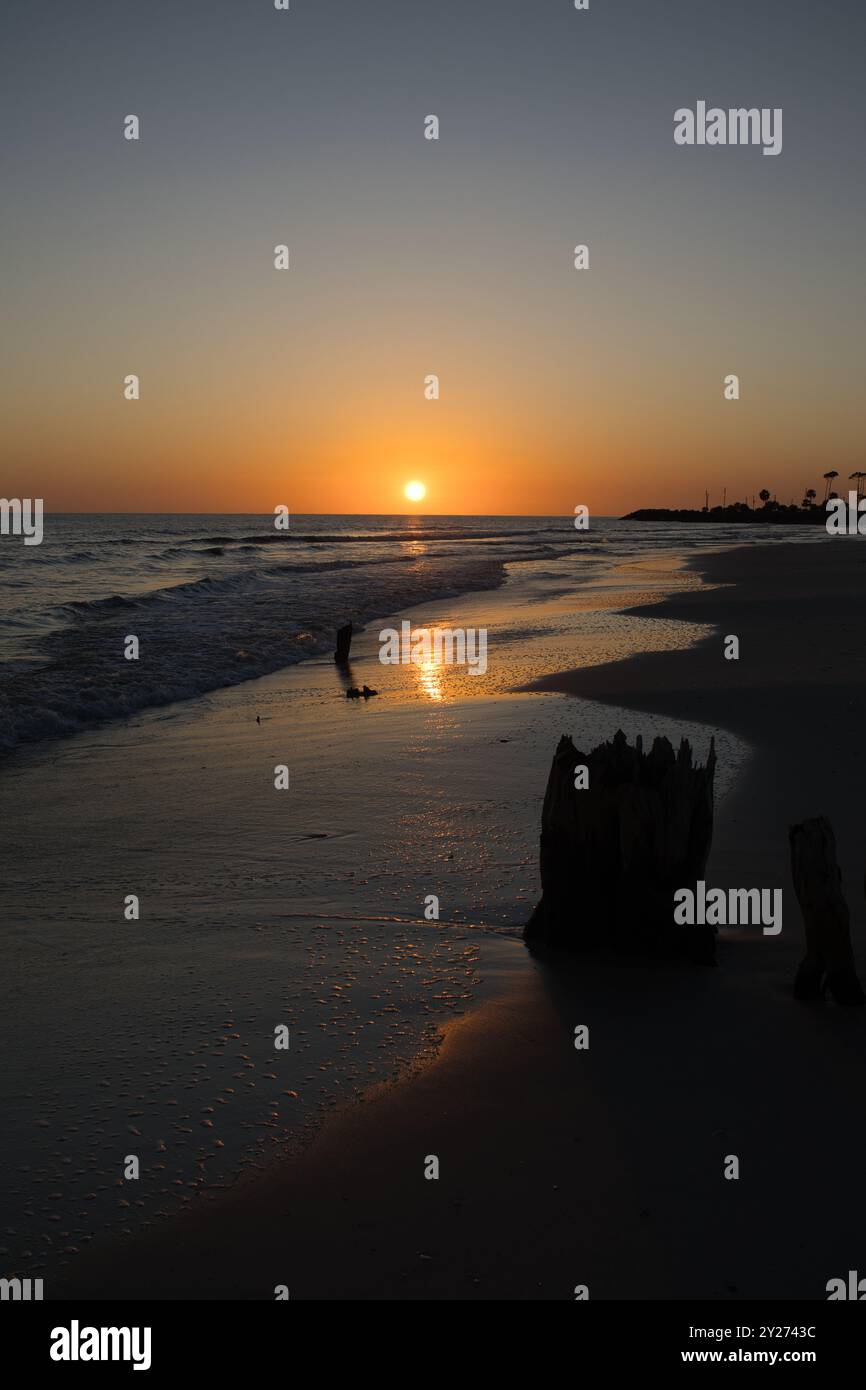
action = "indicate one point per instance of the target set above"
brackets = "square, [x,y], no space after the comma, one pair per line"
[415,492]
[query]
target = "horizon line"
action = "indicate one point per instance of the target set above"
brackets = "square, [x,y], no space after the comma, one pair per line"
[420,516]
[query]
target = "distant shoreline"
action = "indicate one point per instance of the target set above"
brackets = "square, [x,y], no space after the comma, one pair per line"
[738,512]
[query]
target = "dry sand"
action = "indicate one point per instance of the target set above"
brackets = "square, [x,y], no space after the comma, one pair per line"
[605,1167]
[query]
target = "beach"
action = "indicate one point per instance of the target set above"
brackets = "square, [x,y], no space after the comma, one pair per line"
[432,676]
[258,910]
[558,1168]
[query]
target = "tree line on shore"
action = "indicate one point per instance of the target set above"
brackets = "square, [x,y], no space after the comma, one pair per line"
[771,510]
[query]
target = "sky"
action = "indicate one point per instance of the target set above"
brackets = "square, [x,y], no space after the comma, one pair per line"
[411,257]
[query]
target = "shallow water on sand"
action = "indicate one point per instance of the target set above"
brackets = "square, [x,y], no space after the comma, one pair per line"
[155,1038]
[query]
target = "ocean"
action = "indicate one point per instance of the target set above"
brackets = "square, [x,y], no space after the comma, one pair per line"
[217,600]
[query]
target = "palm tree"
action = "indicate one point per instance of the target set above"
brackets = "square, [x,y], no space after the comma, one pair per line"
[764,496]
[829,477]
[811,494]
[859,476]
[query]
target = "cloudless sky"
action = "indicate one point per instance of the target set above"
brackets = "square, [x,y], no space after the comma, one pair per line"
[411,257]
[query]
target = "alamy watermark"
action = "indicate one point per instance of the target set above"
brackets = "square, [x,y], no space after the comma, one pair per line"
[77,1343]
[452,646]
[738,125]
[732,907]
[846,518]
[853,1288]
[22,516]
[20,1290]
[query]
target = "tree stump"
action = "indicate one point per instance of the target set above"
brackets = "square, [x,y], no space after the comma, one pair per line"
[344,642]
[829,959]
[613,853]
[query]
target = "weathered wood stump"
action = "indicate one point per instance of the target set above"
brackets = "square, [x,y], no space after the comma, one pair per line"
[613,853]
[829,959]
[344,642]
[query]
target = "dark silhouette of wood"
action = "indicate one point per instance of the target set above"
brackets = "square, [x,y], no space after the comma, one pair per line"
[344,642]
[613,854]
[829,959]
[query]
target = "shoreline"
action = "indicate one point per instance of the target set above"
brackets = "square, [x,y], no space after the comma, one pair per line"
[256,909]
[556,1171]
[475,596]
[752,596]
[626,1190]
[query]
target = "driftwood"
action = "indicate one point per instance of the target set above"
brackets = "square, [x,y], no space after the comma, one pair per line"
[344,642]
[613,854]
[829,959]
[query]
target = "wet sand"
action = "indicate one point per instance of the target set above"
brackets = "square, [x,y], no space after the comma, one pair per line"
[261,909]
[605,1167]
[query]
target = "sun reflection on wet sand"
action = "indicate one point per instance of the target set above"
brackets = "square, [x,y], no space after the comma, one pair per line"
[431,675]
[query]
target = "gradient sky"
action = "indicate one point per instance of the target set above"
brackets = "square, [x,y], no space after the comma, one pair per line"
[411,257]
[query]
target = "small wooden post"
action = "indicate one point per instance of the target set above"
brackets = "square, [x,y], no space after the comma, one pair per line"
[344,642]
[829,958]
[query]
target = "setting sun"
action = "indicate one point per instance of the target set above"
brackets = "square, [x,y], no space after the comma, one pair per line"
[416,492]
